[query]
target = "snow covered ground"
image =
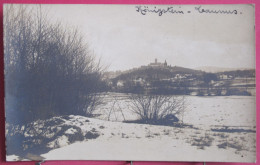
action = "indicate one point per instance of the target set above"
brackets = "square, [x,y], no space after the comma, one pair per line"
[200,111]
[123,141]
[223,129]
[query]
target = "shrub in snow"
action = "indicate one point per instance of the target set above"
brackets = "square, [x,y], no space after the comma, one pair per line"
[92,135]
[157,109]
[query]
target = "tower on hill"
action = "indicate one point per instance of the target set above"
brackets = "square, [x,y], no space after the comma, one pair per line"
[158,64]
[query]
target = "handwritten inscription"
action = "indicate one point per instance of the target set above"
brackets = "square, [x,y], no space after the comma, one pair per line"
[144,10]
[216,11]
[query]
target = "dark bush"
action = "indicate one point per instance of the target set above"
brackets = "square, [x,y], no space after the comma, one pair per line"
[239,92]
[157,109]
[49,70]
[91,135]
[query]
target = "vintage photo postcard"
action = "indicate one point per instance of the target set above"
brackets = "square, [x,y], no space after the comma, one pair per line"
[130,82]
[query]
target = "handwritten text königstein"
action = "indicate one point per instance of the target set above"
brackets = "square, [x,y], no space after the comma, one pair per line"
[178,10]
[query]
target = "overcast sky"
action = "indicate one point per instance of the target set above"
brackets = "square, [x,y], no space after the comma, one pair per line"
[124,38]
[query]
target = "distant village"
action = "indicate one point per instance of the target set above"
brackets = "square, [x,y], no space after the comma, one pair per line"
[162,78]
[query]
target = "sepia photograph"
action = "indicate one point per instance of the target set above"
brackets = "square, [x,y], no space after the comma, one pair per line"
[130,82]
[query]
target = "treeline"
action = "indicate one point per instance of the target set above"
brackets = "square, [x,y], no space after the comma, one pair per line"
[249,73]
[48,68]
[170,82]
[150,73]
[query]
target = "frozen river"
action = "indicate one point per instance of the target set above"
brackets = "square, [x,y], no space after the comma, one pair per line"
[200,111]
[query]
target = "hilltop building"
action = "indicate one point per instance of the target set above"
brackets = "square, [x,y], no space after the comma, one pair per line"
[158,64]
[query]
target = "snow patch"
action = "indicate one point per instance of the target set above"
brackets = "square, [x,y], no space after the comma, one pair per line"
[71,131]
[60,142]
[12,158]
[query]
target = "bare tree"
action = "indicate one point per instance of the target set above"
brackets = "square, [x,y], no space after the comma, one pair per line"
[156,108]
[49,70]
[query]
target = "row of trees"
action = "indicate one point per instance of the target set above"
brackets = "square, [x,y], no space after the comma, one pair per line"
[48,68]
